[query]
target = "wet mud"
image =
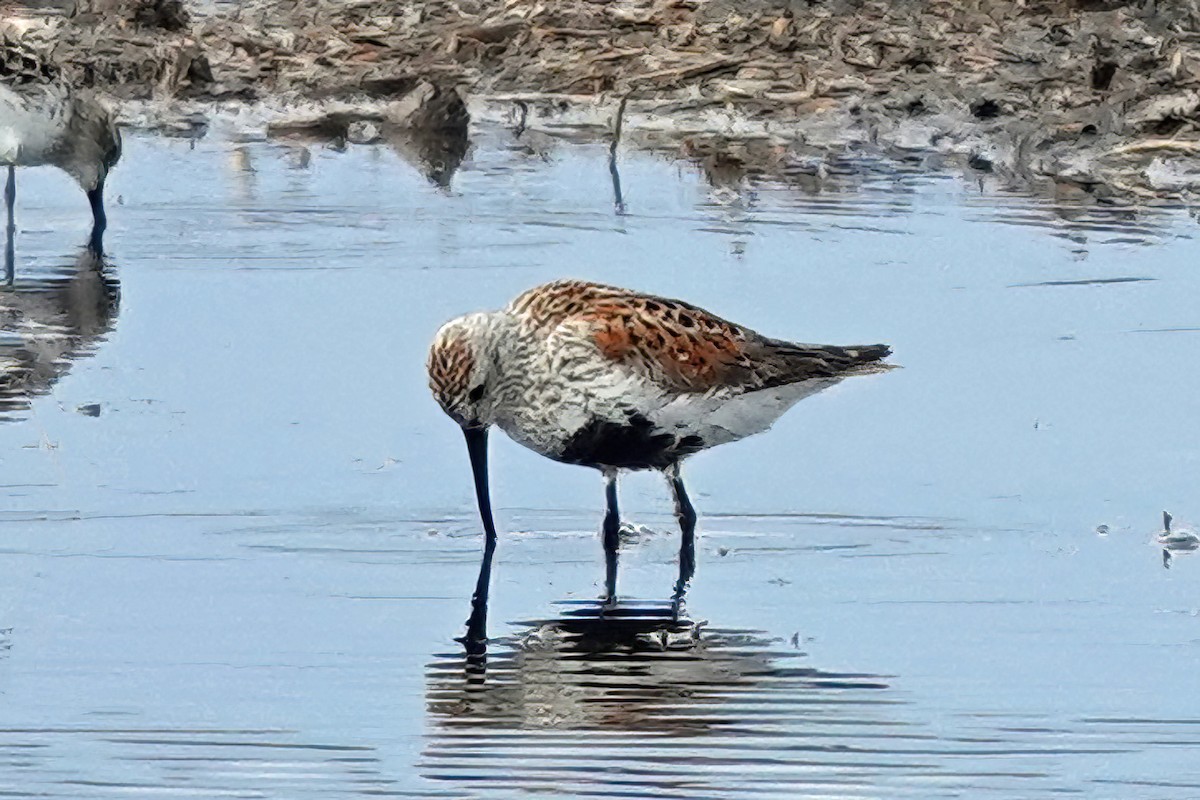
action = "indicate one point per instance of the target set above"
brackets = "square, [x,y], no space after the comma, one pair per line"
[1100,98]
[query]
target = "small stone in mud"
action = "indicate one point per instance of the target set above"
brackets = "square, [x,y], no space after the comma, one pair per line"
[89,409]
[363,132]
[1102,530]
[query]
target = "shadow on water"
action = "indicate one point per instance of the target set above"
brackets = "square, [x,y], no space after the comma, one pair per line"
[50,320]
[668,706]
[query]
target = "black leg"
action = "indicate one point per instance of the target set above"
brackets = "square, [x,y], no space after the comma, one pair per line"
[612,537]
[687,527]
[10,200]
[99,218]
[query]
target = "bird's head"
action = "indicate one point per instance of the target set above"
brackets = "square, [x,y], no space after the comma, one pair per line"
[92,145]
[459,370]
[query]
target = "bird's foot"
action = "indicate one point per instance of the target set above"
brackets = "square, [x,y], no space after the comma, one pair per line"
[473,644]
[608,603]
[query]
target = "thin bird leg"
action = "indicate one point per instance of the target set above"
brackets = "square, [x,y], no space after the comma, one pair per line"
[618,198]
[686,514]
[99,218]
[612,536]
[10,199]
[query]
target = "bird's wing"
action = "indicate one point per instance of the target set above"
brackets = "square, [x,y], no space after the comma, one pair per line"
[680,346]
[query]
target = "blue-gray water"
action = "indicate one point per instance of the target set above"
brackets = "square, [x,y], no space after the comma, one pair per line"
[237,537]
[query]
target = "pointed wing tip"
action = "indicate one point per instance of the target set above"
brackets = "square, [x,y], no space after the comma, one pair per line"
[867,353]
[868,358]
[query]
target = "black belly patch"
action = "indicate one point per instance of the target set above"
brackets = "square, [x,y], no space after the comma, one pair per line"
[632,444]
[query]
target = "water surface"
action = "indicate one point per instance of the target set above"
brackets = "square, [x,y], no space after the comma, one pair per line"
[237,538]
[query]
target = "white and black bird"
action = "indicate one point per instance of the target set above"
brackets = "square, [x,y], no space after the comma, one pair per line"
[1177,538]
[50,124]
[618,380]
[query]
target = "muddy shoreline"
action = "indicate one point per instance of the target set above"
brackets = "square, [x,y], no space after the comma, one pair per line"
[1097,98]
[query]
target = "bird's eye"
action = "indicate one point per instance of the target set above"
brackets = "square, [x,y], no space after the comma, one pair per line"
[476,394]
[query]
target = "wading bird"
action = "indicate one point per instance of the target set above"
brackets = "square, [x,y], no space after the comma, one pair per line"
[617,380]
[49,124]
[1177,538]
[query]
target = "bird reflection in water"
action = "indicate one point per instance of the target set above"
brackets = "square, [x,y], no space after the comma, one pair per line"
[435,154]
[644,667]
[565,702]
[50,320]
[53,124]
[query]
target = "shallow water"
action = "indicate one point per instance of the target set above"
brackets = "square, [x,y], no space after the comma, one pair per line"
[237,538]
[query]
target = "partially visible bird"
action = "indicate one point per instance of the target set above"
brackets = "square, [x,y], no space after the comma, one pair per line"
[52,124]
[613,379]
[1179,538]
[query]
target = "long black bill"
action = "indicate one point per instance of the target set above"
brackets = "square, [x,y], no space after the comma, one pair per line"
[475,640]
[477,448]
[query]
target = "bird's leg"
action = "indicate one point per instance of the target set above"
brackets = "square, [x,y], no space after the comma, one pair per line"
[99,218]
[618,199]
[687,544]
[612,537]
[10,200]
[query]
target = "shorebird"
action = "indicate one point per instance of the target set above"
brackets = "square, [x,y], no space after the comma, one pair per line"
[50,124]
[609,378]
[1179,538]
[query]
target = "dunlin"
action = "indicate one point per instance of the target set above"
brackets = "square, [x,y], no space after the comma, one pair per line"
[1178,538]
[54,125]
[613,379]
